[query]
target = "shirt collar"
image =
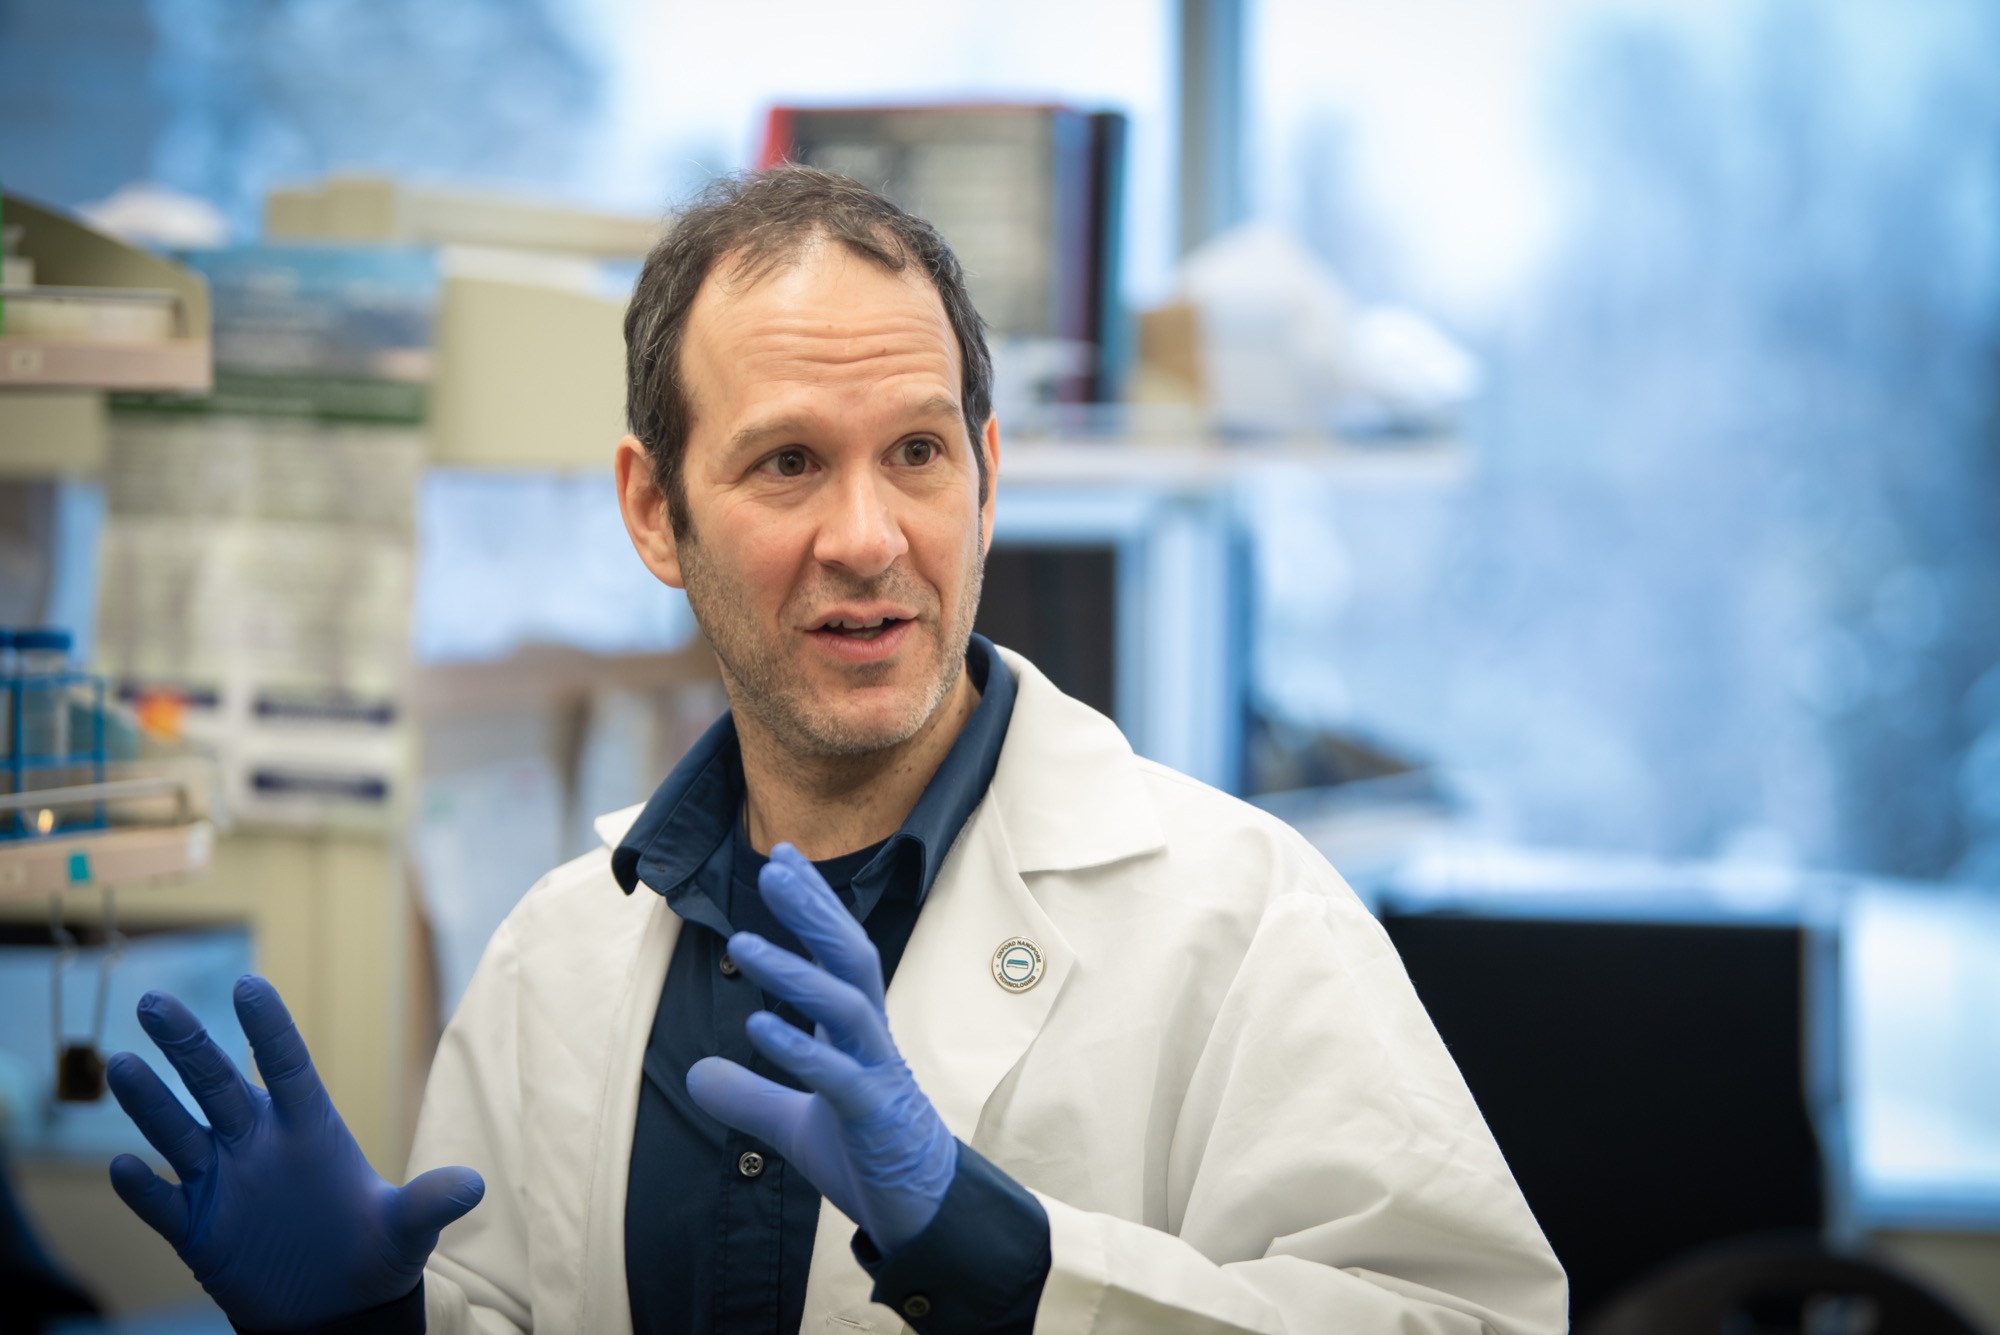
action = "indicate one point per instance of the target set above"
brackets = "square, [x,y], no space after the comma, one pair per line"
[692,814]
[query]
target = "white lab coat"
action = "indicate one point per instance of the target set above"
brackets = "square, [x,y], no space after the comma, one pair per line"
[1223,1089]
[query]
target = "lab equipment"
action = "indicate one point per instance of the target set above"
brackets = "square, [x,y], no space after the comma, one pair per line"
[7,671]
[867,1136]
[197,964]
[1646,1077]
[41,666]
[48,749]
[277,1211]
[80,1066]
[55,823]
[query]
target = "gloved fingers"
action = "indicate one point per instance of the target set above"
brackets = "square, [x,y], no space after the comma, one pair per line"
[281,1054]
[823,1067]
[160,1204]
[167,1126]
[218,1087]
[802,901]
[429,1201]
[854,1023]
[739,1098]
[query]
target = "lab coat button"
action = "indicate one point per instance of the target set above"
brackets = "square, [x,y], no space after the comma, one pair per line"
[916,1307]
[728,966]
[1017,964]
[751,1164]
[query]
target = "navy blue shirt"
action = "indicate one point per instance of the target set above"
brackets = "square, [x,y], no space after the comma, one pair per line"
[718,1229]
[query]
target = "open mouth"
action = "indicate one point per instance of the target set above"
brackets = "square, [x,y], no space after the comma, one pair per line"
[861,630]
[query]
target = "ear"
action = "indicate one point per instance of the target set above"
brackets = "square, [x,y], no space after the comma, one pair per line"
[989,445]
[645,512]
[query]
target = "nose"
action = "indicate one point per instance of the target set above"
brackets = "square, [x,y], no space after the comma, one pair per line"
[860,532]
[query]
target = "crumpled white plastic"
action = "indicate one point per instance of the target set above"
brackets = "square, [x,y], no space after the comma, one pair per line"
[1286,351]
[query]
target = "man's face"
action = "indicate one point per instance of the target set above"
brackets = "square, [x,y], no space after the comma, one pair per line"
[835,535]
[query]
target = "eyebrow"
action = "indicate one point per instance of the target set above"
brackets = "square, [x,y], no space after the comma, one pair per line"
[772,430]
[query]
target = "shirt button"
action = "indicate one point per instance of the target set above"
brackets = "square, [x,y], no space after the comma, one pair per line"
[751,1164]
[916,1307]
[728,966]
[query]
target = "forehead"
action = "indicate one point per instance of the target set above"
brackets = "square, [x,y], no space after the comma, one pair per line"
[825,321]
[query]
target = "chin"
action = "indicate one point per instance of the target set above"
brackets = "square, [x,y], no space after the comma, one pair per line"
[858,732]
[840,718]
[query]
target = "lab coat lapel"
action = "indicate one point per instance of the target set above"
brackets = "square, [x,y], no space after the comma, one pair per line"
[958,1028]
[585,1018]
[1069,790]
[1066,794]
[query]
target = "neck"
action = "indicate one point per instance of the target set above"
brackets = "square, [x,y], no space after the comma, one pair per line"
[829,805]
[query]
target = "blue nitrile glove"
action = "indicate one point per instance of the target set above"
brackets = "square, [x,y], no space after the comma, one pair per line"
[866,1137]
[277,1212]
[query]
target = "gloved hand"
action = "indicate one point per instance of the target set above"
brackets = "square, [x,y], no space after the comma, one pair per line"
[866,1136]
[277,1212]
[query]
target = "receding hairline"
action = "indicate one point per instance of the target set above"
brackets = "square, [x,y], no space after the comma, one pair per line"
[766,251]
[741,270]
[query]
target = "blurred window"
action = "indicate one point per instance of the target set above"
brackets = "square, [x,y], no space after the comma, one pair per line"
[512,558]
[1921,983]
[1720,586]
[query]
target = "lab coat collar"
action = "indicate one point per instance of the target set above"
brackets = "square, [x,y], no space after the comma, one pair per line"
[612,825]
[1068,787]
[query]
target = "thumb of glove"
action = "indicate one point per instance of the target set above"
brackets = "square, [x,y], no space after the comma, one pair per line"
[432,1200]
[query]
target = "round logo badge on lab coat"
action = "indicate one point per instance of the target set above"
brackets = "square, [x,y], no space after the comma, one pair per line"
[1017,965]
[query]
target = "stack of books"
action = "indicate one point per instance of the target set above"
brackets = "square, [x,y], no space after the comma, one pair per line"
[1030,199]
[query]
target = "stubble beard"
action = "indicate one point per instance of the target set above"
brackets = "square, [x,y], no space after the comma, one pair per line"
[761,677]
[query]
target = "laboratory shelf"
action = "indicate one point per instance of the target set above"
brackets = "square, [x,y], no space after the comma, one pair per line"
[99,292]
[381,210]
[176,840]
[106,290]
[1175,448]
[99,859]
[48,363]
[1166,462]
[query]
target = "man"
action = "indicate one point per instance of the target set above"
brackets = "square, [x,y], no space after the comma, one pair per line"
[1143,1062]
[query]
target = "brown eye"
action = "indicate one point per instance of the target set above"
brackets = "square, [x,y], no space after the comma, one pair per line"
[919,452]
[790,463]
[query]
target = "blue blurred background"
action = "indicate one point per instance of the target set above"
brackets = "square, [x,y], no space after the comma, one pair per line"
[1724,585]
[1711,603]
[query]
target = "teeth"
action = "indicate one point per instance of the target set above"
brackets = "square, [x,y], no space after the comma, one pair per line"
[842,624]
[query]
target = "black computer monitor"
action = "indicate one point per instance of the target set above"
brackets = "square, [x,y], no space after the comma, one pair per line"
[1058,604]
[1645,1080]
